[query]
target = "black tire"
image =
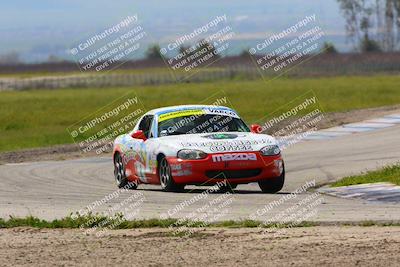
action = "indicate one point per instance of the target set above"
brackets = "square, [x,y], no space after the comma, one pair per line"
[272,185]
[120,175]
[166,180]
[227,188]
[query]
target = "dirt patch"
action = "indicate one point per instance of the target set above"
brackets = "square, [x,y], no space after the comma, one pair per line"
[70,151]
[59,152]
[327,246]
[339,118]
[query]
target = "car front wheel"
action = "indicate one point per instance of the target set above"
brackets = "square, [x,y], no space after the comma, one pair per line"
[272,185]
[166,180]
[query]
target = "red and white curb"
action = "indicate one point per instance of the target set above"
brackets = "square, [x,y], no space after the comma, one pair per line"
[375,192]
[352,128]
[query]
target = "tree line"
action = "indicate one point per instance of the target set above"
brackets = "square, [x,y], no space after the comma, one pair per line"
[372,25]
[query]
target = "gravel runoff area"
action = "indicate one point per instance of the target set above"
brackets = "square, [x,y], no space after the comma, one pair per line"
[308,246]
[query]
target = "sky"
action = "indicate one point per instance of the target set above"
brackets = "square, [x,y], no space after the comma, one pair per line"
[36,29]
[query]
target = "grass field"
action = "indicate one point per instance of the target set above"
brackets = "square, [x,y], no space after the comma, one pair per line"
[40,117]
[389,174]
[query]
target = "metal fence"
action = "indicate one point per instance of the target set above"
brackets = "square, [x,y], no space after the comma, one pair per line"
[238,72]
[124,79]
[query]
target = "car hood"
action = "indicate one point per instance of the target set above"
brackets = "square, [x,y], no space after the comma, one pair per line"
[218,142]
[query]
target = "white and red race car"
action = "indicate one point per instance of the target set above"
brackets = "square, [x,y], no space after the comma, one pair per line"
[197,145]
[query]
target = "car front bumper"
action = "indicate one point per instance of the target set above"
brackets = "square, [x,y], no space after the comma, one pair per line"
[234,167]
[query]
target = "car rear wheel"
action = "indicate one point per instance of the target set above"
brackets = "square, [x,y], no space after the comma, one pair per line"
[120,175]
[273,185]
[166,180]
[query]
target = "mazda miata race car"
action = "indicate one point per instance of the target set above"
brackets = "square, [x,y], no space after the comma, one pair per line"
[197,145]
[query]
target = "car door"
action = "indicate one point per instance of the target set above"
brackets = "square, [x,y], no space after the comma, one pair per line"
[151,147]
[144,162]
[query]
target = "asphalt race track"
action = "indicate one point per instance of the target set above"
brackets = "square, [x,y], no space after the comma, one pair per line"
[53,189]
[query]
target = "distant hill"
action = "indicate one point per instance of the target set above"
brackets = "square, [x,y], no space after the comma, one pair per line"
[44,28]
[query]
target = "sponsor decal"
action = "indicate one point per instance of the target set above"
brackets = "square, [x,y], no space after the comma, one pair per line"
[180,113]
[197,112]
[227,143]
[234,157]
[221,136]
[221,148]
[181,169]
[182,173]
[225,112]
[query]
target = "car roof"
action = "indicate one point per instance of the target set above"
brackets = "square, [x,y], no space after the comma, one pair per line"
[163,110]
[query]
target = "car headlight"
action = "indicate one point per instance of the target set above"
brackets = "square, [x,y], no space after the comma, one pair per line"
[191,154]
[271,150]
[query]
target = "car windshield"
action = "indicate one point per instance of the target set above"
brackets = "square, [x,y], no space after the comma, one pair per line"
[205,123]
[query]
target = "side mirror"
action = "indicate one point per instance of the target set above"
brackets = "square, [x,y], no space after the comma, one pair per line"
[255,128]
[139,134]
